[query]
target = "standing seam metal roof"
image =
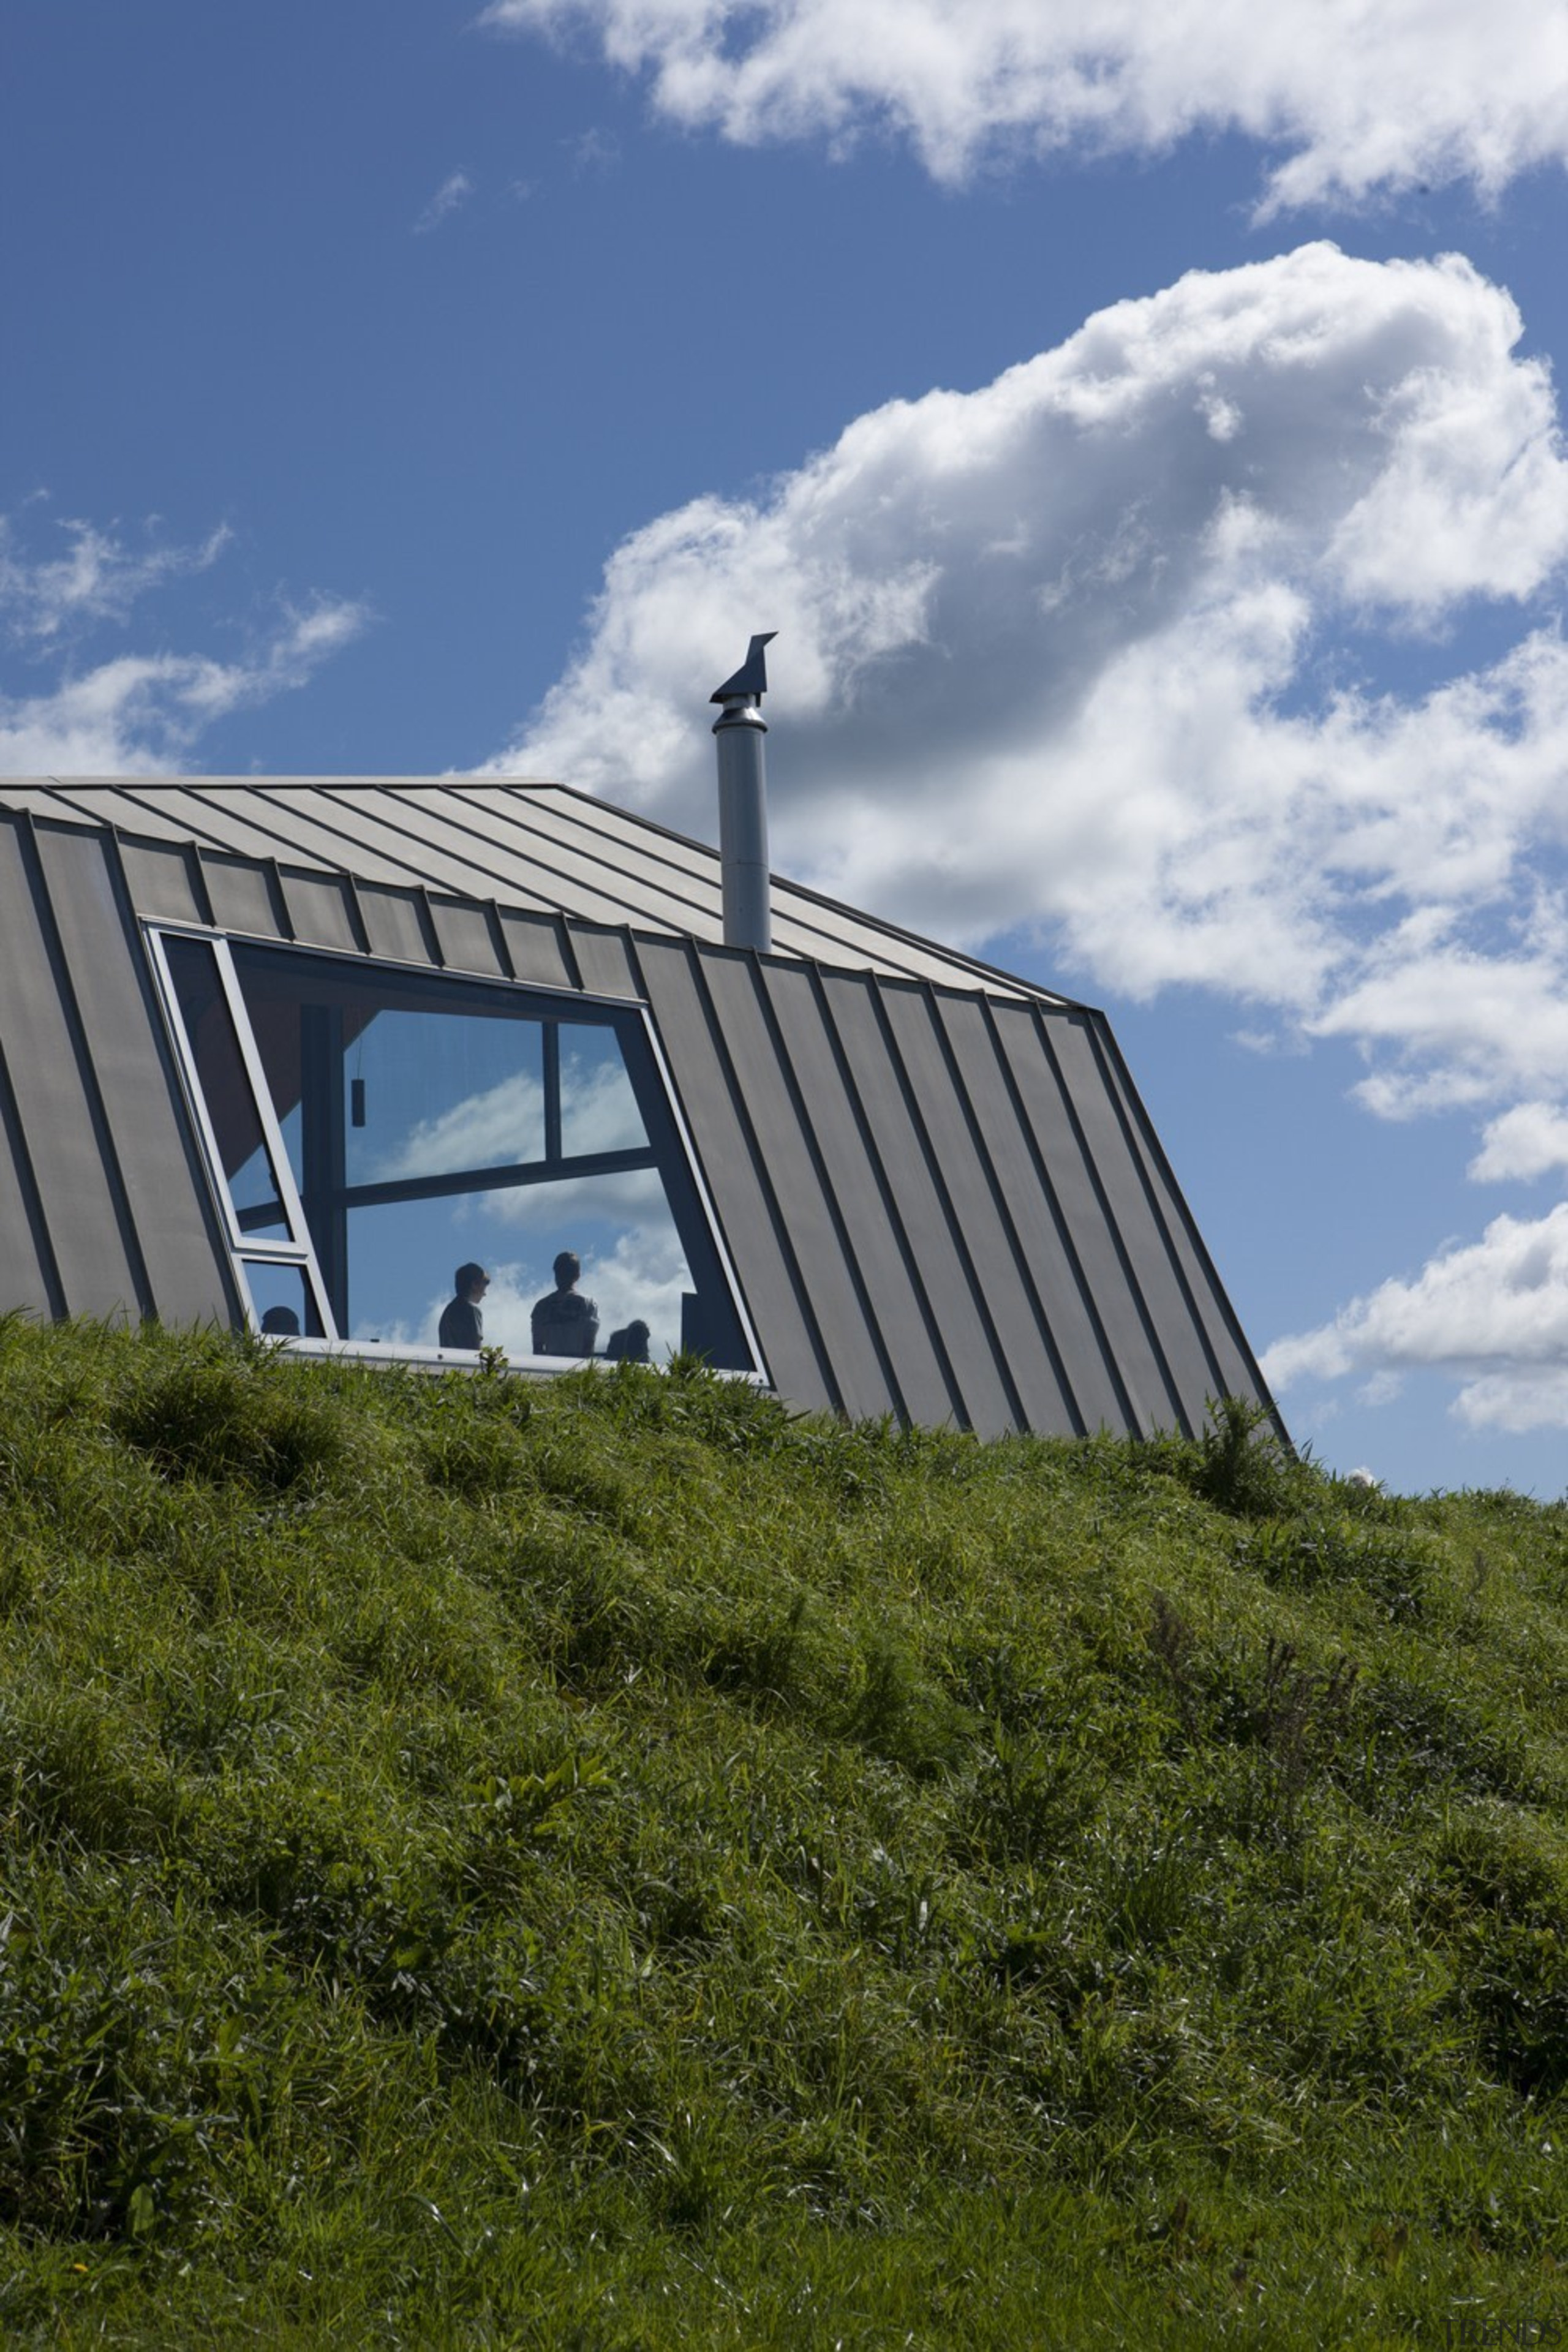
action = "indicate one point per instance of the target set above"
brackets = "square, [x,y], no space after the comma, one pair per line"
[532,845]
[939,1191]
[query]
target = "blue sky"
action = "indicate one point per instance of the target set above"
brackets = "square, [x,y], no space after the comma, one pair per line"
[1166,541]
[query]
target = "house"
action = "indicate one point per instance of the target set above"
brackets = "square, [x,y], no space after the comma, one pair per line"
[288,1051]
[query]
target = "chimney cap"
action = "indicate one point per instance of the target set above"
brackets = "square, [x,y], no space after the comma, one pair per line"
[750,680]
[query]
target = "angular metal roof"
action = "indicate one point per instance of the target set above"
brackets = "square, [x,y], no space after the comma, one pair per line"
[940,1193]
[528,845]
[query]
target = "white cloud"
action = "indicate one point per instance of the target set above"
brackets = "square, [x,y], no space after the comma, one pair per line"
[1492,1313]
[1471,1024]
[594,151]
[132,713]
[1515,1401]
[1527,1140]
[1047,657]
[1358,98]
[46,600]
[450,197]
[141,714]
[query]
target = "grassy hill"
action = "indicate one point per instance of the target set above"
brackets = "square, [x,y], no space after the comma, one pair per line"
[605,1863]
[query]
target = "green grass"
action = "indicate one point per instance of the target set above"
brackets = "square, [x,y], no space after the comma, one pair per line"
[607,1865]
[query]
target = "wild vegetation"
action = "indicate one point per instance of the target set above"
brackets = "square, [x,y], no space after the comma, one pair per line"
[611,1864]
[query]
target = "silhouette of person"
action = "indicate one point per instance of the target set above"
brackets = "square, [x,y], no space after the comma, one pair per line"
[628,1345]
[564,1322]
[280,1323]
[461,1324]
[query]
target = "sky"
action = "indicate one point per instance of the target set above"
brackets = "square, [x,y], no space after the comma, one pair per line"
[1142,428]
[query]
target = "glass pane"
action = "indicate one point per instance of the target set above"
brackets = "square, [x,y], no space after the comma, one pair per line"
[225,1089]
[384,1081]
[406,1086]
[428,1093]
[598,1109]
[403,1257]
[281,1299]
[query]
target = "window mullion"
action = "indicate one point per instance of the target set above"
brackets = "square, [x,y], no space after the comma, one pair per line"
[550,1047]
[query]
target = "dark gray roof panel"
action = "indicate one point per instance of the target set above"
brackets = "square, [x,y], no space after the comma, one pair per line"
[883,1349]
[957,1315]
[1150,1243]
[363,829]
[225,821]
[531,835]
[984,1229]
[170,1246]
[319,912]
[1235,1368]
[604,963]
[301,827]
[1059,1145]
[783,1139]
[537,947]
[1075,1342]
[469,938]
[114,1204]
[397,924]
[164,882]
[83,1215]
[1173,1342]
[244,896]
[529,846]
[86,803]
[31,1279]
[738,1179]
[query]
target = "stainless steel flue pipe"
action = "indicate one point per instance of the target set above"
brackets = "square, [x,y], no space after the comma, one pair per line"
[738,730]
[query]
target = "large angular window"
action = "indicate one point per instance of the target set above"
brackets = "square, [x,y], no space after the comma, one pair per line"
[371,1130]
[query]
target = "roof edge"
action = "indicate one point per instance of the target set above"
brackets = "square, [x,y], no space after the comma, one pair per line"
[981,971]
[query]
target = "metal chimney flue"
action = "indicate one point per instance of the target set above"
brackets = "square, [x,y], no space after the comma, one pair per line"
[738,730]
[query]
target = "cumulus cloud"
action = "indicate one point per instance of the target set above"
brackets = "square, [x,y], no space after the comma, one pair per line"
[1355,99]
[1493,1313]
[1516,1400]
[1529,1141]
[1048,657]
[132,713]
